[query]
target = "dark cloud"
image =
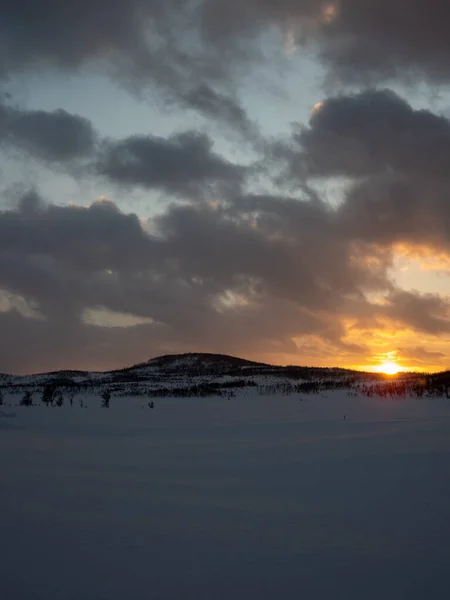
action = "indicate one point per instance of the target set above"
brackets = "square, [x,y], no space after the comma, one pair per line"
[428,313]
[388,39]
[222,108]
[153,44]
[157,39]
[194,51]
[250,276]
[183,163]
[281,245]
[220,277]
[394,162]
[39,229]
[391,209]
[56,136]
[366,41]
[182,45]
[62,36]
[374,131]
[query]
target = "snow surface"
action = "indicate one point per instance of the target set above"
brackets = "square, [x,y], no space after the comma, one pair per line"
[248,498]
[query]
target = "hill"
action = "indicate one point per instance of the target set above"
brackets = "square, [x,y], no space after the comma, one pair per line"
[208,374]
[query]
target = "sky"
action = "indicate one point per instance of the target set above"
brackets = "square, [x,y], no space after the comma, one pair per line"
[262,178]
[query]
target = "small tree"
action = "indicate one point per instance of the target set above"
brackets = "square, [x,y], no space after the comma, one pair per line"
[27,399]
[49,394]
[106,397]
[1,398]
[59,401]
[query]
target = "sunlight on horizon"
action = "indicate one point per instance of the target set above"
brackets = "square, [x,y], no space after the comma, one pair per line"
[389,368]
[387,364]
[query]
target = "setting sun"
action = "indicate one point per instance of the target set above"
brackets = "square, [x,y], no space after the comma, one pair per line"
[389,368]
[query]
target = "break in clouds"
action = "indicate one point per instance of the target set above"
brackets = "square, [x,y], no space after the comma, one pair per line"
[243,257]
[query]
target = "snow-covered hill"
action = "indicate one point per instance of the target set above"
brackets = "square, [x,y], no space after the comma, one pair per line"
[178,370]
[202,374]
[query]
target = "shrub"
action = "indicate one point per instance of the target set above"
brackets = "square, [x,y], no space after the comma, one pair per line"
[49,394]
[106,397]
[27,399]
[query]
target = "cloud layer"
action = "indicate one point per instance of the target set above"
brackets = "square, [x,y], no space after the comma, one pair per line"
[248,258]
[248,276]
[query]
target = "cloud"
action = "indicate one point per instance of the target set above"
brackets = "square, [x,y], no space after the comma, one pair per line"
[144,44]
[56,34]
[393,160]
[242,277]
[197,53]
[428,313]
[374,131]
[185,45]
[222,108]
[392,209]
[419,355]
[56,136]
[182,163]
[248,276]
[379,40]
[369,41]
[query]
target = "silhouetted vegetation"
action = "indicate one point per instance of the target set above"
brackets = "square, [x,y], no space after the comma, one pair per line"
[49,394]
[27,399]
[106,397]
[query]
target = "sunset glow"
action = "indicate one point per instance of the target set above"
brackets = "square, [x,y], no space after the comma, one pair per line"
[251,187]
[388,363]
[389,368]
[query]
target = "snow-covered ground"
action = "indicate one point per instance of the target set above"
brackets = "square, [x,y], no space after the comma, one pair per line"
[241,499]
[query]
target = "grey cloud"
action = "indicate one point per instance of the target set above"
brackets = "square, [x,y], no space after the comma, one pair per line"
[56,136]
[388,39]
[394,160]
[175,43]
[218,278]
[183,163]
[56,33]
[222,108]
[283,244]
[374,40]
[374,131]
[160,39]
[144,44]
[31,345]
[247,276]
[428,313]
[86,234]
[390,209]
